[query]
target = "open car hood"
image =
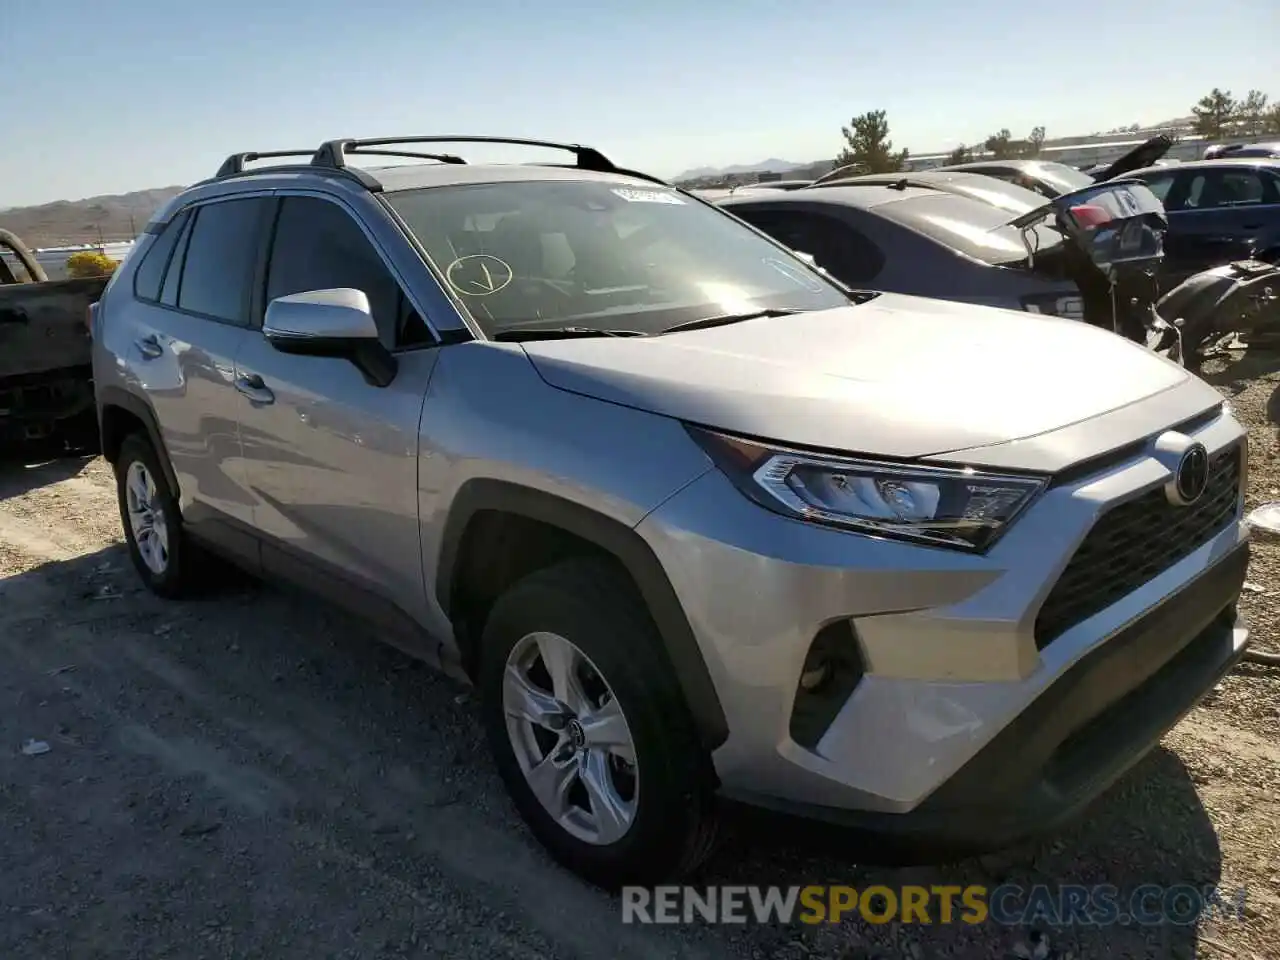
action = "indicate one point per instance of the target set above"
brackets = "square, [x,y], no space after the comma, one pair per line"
[1119,225]
[1143,155]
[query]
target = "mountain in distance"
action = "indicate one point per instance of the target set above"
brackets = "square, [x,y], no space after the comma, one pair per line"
[774,164]
[70,222]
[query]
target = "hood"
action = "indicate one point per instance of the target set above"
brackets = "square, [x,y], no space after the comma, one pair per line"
[1143,155]
[898,376]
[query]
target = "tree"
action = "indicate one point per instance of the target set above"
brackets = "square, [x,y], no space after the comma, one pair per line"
[868,147]
[1214,114]
[959,155]
[90,263]
[1000,145]
[1271,121]
[1252,113]
[1035,142]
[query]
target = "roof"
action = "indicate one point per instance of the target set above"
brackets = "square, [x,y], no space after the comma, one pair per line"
[1227,161]
[977,186]
[418,175]
[334,158]
[716,194]
[859,197]
[1015,163]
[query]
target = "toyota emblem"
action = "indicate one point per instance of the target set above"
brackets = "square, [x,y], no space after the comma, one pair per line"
[1192,476]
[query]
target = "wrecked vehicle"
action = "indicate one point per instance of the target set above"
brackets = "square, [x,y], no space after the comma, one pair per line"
[1241,298]
[1052,179]
[46,383]
[1092,254]
[936,243]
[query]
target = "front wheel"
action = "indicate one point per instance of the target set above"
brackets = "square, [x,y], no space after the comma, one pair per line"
[589,730]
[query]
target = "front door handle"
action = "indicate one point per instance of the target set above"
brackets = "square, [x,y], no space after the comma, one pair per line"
[251,386]
[149,347]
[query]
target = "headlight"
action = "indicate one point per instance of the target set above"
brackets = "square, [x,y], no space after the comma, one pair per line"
[959,508]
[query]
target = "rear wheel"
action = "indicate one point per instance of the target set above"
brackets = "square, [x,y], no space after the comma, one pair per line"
[589,730]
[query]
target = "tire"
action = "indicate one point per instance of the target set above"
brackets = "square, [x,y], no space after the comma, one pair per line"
[175,577]
[593,606]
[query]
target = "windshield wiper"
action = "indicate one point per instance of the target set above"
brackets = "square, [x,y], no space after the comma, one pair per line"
[559,333]
[724,319]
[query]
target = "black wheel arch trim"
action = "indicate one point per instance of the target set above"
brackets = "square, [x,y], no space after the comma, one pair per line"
[116,397]
[623,543]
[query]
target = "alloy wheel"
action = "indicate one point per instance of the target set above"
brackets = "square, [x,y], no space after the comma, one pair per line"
[146,518]
[570,738]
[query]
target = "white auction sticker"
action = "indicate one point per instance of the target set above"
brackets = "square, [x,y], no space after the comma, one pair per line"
[648,196]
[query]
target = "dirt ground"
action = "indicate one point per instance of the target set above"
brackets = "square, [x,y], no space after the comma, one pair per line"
[254,776]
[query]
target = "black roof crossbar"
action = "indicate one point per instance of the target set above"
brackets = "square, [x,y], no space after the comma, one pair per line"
[234,164]
[334,153]
[333,156]
[441,157]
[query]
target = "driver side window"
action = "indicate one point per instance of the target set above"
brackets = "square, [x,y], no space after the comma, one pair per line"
[317,245]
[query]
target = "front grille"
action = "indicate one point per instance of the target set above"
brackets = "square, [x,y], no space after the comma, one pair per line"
[1134,542]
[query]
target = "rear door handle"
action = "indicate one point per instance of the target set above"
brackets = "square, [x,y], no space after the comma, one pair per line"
[251,385]
[149,347]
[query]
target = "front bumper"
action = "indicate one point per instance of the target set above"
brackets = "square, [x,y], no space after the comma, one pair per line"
[949,645]
[1082,734]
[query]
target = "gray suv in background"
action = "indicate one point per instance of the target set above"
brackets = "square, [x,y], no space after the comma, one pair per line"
[695,519]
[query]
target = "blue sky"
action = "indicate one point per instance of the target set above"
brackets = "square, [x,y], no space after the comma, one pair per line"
[117,96]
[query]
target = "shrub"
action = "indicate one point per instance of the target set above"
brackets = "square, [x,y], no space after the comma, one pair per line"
[90,263]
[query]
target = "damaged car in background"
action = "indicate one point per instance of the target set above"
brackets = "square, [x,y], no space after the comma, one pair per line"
[1090,255]
[46,384]
[1053,179]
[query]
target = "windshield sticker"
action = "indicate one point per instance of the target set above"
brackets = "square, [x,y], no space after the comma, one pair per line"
[478,275]
[648,196]
[796,274]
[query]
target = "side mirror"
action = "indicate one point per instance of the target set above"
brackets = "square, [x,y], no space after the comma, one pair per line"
[330,323]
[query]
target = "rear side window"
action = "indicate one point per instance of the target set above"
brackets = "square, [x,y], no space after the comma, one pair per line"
[173,276]
[835,246]
[150,273]
[1225,188]
[222,252]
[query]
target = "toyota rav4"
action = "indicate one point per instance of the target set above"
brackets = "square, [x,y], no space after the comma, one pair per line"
[697,521]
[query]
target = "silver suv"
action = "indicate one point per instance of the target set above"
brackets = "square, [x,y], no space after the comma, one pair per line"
[696,521]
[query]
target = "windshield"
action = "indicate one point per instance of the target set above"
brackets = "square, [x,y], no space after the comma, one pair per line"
[976,229]
[601,255]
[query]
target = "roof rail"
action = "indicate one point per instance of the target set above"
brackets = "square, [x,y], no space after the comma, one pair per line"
[334,153]
[234,164]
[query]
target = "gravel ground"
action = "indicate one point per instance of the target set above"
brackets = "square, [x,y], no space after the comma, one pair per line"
[255,776]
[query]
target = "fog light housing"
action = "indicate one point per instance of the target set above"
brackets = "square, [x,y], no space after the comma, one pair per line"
[831,672]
